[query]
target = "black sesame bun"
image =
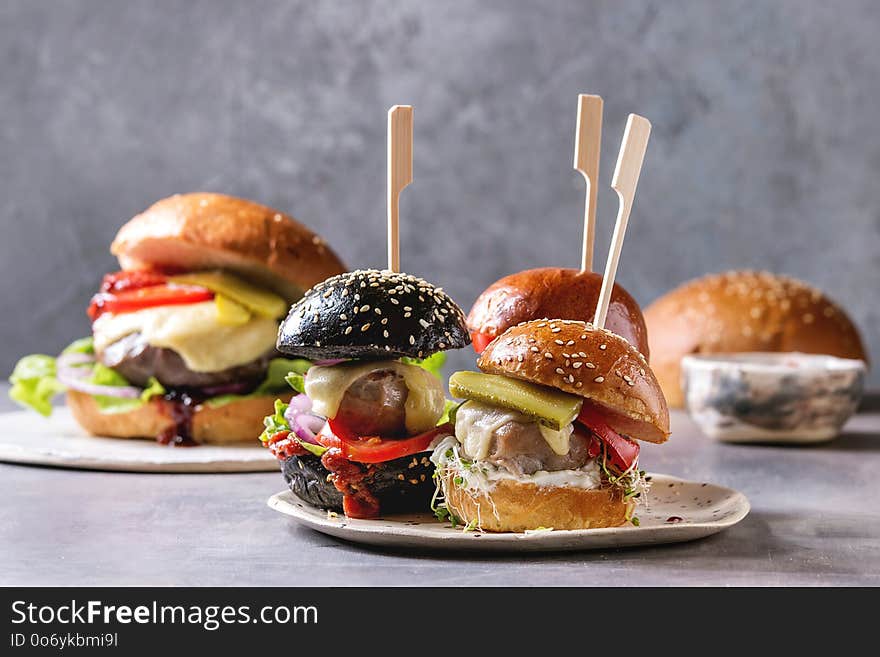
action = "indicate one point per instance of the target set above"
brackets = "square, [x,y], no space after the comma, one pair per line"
[372,314]
[400,486]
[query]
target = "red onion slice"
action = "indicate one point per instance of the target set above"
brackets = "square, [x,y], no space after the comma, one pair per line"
[75,382]
[300,404]
[328,362]
[67,360]
[307,426]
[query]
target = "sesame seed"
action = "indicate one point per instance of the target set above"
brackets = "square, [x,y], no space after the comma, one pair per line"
[385,333]
[589,366]
[548,355]
[394,301]
[576,364]
[583,336]
[364,308]
[603,347]
[578,384]
[378,311]
[569,343]
[559,370]
[520,358]
[347,330]
[407,308]
[599,379]
[559,342]
[412,339]
[571,378]
[535,349]
[384,320]
[555,330]
[405,315]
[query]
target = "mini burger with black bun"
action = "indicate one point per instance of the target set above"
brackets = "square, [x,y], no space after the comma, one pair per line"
[546,436]
[183,337]
[553,292]
[357,437]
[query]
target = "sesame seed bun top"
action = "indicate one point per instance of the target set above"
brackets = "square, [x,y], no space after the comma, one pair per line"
[583,360]
[555,292]
[372,314]
[201,231]
[744,311]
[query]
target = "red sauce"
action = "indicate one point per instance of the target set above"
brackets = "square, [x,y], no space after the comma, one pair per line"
[348,476]
[283,446]
[181,407]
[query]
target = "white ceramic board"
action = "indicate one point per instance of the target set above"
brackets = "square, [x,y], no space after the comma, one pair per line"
[678,510]
[58,441]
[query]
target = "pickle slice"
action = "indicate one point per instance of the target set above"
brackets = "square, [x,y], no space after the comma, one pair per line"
[552,408]
[255,299]
[229,312]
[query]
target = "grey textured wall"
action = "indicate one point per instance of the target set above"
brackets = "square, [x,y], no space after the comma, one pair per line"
[764,151]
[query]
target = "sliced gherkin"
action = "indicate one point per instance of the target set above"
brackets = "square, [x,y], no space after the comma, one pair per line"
[229,312]
[255,299]
[552,408]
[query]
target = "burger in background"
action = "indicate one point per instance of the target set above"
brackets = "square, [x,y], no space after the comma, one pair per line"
[744,311]
[553,292]
[183,337]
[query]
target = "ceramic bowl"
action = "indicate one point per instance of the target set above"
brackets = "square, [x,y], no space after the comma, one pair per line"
[771,397]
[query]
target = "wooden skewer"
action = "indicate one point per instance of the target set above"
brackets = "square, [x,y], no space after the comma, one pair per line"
[587,143]
[400,147]
[624,182]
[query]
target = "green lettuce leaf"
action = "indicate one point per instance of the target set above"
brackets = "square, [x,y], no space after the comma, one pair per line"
[81,346]
[153,389]
[433,363]
[34,383]
[296,381]
[276,422]
[104,376]
[279,370]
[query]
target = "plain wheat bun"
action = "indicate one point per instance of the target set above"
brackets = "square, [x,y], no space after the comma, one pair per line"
[555,292]
[518,506]
[235,422]
[590,362]
[743,311]
[201,231]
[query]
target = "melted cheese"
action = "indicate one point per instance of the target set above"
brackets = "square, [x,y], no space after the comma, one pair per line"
[425,402]
[476,424]
[194,332]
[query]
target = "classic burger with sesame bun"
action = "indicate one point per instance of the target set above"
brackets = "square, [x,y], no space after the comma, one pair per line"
[744,311]
[546,436]
[183,337]
[553,292]
[356,438]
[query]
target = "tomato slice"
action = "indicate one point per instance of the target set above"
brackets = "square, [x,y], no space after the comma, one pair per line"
[167,294]
[121,281]
[481,341]
[622,451]
[373,449]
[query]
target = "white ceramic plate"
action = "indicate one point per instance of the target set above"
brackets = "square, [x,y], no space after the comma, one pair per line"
[678,511]
[26,437]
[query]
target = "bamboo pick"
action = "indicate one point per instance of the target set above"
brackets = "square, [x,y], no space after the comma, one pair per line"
[400,146]
[587,143]
[624,182]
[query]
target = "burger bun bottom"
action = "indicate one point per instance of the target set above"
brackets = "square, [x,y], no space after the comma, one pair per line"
[514,506]
[236,422]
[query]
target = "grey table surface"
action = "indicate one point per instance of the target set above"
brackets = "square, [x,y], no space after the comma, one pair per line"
[814,521]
